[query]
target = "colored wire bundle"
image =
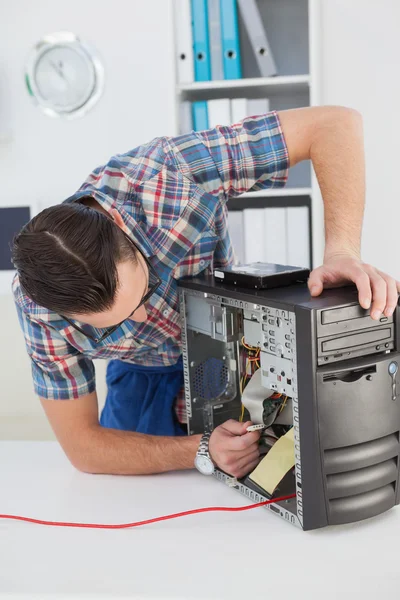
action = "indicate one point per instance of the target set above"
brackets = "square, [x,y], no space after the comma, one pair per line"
[252,363]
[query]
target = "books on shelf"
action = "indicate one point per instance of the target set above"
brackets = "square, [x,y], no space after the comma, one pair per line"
[208,40]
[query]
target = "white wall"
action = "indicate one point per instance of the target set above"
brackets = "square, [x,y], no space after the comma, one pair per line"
[360,68]
[44,160]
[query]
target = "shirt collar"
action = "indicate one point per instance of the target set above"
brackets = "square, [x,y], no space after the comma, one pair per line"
[131,227]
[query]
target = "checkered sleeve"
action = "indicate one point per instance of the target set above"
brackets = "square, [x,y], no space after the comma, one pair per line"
[59,371]
[228,161]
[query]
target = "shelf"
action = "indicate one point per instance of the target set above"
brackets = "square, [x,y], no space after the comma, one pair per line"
[289,83]
[293,31]
[269,200]
[277,192]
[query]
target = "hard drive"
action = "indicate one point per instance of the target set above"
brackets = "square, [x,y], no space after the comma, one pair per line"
[260,275]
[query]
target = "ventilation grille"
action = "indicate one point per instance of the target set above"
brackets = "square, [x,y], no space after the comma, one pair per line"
[210,378]
[361,479]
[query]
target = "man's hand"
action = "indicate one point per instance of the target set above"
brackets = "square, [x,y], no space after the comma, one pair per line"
[233,449]
[341,268]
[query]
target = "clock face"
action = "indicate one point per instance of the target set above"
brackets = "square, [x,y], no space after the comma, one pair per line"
[64,77]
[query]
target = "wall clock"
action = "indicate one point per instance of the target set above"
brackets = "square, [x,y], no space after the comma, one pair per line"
[64,75]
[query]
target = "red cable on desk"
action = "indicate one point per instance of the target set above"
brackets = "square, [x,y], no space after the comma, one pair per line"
[148,521]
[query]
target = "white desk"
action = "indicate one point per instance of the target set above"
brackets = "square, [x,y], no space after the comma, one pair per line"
[245,555]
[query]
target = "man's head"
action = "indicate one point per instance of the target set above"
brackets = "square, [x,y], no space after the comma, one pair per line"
[75,260]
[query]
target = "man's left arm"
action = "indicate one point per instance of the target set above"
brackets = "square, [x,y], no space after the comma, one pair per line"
[332,137]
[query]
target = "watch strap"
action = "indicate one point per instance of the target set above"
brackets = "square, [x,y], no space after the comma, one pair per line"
[204,442]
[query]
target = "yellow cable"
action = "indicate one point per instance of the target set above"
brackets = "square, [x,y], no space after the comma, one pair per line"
[241,387]
[252,348]
[283,405]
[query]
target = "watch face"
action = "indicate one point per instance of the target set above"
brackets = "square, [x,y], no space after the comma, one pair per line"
[64,76]
[204,464]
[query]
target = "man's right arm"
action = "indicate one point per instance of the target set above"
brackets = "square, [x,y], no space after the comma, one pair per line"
[64,380]
[96,449]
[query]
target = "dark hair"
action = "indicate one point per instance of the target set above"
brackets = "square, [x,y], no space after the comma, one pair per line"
[67,257]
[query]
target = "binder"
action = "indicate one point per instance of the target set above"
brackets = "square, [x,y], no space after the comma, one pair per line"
[258,38]
[214,32]
[257,107]
[219,112]
[238,109]
[298,236]
[230,39]
[185,117]
[275,236]
[235,227]
[200,115]
[201,49]
[183,44]
[254,234]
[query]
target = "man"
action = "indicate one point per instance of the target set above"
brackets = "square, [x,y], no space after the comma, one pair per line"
[97,278]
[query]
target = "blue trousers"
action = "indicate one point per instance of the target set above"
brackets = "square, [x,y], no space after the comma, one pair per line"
[141,398]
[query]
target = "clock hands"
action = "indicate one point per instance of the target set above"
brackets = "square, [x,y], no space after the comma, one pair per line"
[58,70]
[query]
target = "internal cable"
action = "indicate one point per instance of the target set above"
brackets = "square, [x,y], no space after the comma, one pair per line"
[147,521]
[252,359]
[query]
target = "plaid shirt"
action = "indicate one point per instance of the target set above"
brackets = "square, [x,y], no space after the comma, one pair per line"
[171,194]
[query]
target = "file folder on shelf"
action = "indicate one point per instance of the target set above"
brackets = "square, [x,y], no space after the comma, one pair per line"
[219,112]
[244,107]
[185,117]
[258,38]
[230,39]
[235,227]
[183,44]
[298,236]
[238,109]
[200,115]
[201,48]
[275,250]
[257,106]
[254,234]
[215,42]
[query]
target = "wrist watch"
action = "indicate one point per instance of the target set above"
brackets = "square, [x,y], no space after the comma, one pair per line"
[203,461]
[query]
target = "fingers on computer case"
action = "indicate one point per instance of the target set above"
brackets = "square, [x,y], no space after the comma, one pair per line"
[321,376]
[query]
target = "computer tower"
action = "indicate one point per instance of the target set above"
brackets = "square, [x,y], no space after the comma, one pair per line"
[337,367]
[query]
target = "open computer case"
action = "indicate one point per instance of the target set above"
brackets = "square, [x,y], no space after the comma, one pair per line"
[319,367]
